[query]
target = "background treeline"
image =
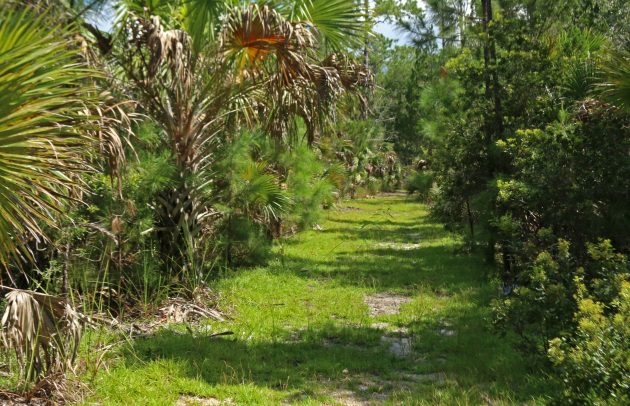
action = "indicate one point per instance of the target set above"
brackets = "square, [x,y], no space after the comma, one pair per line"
[517,116]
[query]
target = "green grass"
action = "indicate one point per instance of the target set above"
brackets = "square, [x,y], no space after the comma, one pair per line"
[303,333]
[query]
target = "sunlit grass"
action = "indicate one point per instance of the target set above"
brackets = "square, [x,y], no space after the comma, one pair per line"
[303,333]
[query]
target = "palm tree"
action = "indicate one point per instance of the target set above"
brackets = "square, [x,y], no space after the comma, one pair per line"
[43,127]
[204,68]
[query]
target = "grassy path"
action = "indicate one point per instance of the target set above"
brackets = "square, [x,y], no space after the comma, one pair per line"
[379,307]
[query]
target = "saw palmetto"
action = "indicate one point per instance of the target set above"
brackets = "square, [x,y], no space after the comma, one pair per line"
[203,70]
[42,115]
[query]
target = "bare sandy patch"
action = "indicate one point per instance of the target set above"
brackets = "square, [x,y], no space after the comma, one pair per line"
[198,401]
[383,304]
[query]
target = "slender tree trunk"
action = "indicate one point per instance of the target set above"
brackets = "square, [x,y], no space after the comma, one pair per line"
[228,251]
[486,46]
[65,288]
[366,58]
[494,127]
[498,129]
[471,222]
[508,278]
[491,75]
[463,18]
[498,110]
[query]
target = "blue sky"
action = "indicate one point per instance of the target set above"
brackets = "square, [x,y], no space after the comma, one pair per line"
[389,30]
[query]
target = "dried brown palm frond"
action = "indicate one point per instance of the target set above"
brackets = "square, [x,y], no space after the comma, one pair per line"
[112,129]
[55,389]
[312,99]
[43,330]
[173,47]
[189,94]
[353,74]
[111,117]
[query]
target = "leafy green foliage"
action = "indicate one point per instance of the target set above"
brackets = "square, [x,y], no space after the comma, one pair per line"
[545,295]
[594,363]
[249,198]
[542,194]
[616,83]
[370,162]
[307,186]
[518,110]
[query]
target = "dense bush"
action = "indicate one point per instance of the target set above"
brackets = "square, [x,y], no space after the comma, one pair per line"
[545,293]
[370,163]
[573,178]
[594,363]
[420,182]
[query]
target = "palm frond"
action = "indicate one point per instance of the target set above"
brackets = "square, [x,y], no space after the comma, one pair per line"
[253,34]
[42,100]
[337,175]
[615,85]
[262,193]
[202,19]
[43,330]
[340,23]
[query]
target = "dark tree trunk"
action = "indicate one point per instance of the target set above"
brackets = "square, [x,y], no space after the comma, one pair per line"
[366,60]
[177,213]
[486,46]
[471,222]
[491,75]
[498,110]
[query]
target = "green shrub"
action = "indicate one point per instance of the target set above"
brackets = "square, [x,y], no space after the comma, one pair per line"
[595,363]
[245,242]
[420,182]
[540,306]
[374,186]
[545,297]
[309,185]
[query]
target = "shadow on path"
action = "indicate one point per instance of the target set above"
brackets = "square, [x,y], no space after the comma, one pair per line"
[446,322]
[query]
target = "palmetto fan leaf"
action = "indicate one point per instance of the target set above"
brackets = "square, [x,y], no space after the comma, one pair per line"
[248,183]
[339,23]
[262,193]
[616,83]
[201,18]
[41,103]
